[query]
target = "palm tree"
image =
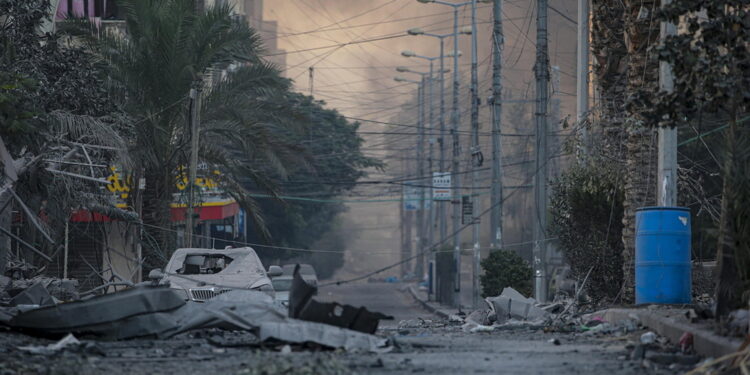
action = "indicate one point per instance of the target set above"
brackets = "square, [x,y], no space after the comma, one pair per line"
[170,45]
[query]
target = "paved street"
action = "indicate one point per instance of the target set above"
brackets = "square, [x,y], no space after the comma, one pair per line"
[431,348]
[382,297]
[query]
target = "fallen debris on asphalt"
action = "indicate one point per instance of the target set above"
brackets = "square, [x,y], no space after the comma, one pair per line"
[158,311]
[511,304]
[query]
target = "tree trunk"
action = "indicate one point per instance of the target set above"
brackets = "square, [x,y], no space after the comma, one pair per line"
[731,234]
[641,32]
[610,65]
[160,240]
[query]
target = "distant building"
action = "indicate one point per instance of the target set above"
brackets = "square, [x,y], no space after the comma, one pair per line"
[268,32]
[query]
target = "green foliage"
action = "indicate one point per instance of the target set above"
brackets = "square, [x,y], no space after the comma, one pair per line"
[51,94]
[15,107]
[333,149]
[710,59]
[586,205]
[504,268]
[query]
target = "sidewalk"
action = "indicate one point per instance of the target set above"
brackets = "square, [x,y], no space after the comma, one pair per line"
[672,324]
[420,296]
[665,321]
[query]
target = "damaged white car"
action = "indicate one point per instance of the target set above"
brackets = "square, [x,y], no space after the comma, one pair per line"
[201,274]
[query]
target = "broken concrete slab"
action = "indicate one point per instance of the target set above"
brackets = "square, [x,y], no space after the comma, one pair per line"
[511,304]
[36,294]
[160,312]
[300,332]
[108,316]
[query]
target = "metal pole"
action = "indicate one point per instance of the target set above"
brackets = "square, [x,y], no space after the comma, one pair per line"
[456,178]
[195,104]
[427,177]
[418,269]
[582,72]
[441,204]
[667,163]
[496,218]
[540,176]
[475,155]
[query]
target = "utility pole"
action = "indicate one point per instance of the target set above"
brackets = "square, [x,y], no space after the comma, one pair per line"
[667,159]
[541,73]
[312,78]
[427,176]
[195,119]
[405,223]
[582,72]
[496,215]
[456,178]
[419,268]
[443,219]
[476,157]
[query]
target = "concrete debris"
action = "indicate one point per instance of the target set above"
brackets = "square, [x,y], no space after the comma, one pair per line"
[738,322]
[480,317]
[158,311]
[554,341]
[648,338]
[68,340]
[511,304]
[301,332]
[36,294]
[61,289]
[472,327]
[453,318]
[415,323]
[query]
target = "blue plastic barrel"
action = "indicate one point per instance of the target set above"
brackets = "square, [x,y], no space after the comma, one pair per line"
[662,255]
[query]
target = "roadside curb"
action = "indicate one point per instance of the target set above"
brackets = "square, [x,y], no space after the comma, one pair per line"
[705,342]
[426,305]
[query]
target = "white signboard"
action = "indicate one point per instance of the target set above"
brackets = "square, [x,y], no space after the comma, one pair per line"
[441,186]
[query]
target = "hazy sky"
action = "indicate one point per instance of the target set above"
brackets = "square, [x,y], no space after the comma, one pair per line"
[357,79]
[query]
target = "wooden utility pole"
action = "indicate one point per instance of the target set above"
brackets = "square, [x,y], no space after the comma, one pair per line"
[195,119]
[541,73]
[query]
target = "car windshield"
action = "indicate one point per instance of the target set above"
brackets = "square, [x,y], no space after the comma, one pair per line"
[202,264]
[282,285]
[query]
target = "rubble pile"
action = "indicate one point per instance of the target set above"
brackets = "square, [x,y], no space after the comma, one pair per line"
[159,312]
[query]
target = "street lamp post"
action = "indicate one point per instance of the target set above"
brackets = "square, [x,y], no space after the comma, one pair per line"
[456,177]
[427,176]
[422,242]
[419,269]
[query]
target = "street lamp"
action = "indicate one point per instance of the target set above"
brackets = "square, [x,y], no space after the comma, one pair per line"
[455,178]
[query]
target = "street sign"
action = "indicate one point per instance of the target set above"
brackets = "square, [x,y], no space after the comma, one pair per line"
[441,183]
[467,210]
[411,197]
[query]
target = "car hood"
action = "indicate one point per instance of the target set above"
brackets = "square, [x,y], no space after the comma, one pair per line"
[207,281]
